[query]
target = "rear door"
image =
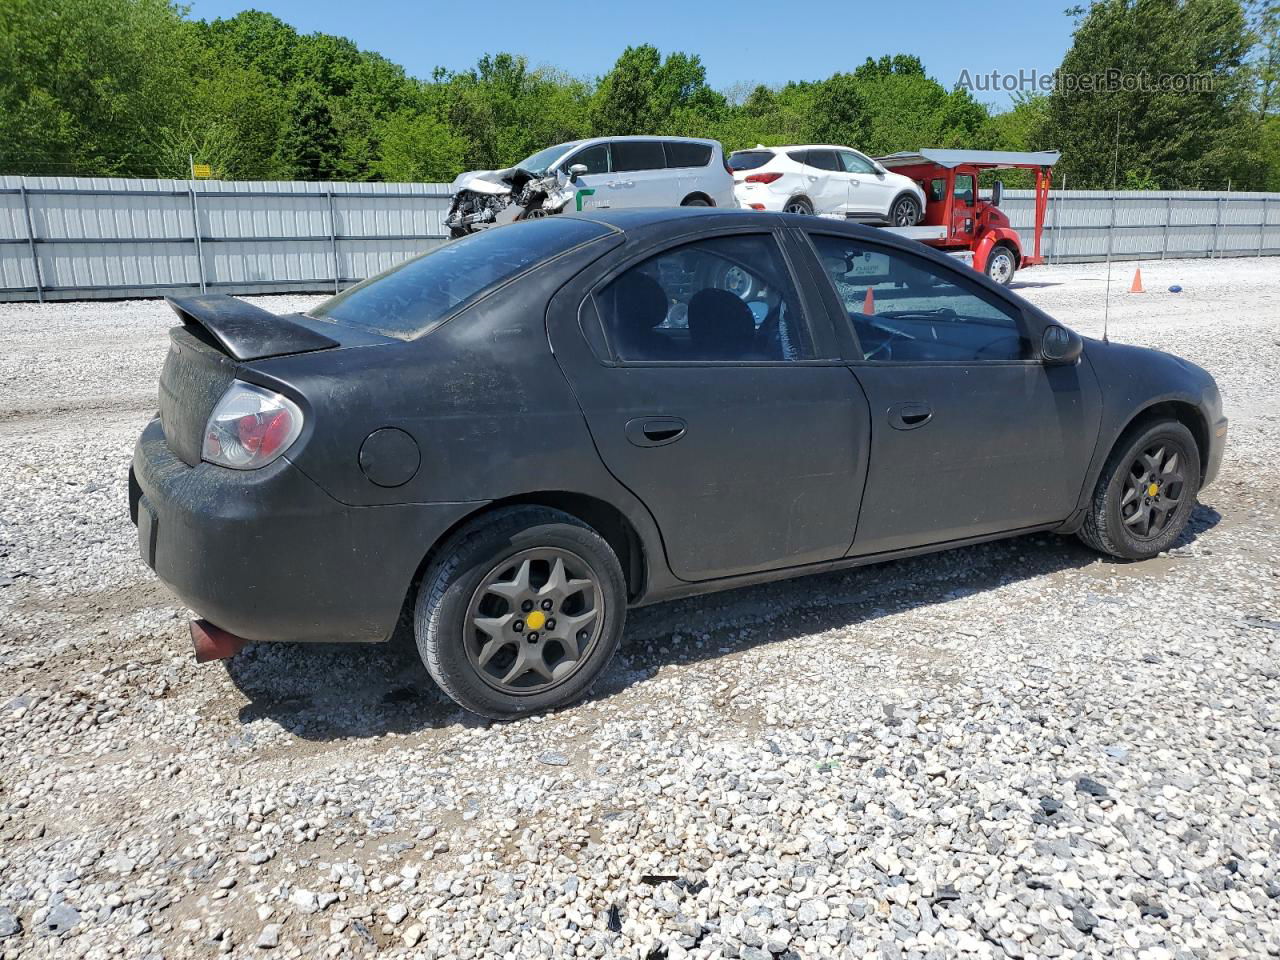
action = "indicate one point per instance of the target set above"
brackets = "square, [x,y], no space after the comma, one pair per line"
[640,177]
[714,395]
[826,183]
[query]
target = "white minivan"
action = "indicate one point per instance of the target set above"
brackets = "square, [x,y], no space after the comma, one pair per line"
[600,173]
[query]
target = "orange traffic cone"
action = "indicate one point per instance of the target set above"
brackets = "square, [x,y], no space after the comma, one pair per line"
[869,303]
[1137,282]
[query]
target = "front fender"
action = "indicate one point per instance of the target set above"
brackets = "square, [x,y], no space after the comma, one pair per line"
[989,239]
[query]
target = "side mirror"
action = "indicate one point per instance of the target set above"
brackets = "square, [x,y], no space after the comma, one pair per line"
[577,170]
[1059,346]
[997,193]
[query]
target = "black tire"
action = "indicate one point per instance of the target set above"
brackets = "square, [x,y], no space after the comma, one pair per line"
[694,202]
[1105,528]
[1002,264]
[905,211]
[801,205]
[456,575]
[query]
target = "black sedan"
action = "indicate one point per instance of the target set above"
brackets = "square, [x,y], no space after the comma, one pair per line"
[513,438]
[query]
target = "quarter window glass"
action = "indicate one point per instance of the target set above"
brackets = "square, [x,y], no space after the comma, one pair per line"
[854,163]
[595,159]
[681,154]
[638,155]
[907,310]
[724,299]
[964,188]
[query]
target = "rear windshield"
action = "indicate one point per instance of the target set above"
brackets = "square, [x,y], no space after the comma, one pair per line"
[408,299]
[749,159]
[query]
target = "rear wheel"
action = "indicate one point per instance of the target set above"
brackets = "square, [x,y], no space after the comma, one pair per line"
[694,202]
[798,205]
[906,211]
[1002,264]
[521,612]
[1146,493]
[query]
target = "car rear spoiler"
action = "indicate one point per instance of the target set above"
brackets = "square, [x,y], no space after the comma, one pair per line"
[247,332]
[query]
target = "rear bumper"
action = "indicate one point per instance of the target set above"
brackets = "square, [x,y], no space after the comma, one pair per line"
[268,555]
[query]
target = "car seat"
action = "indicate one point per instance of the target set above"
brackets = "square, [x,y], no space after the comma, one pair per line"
[721,326]
[640,305]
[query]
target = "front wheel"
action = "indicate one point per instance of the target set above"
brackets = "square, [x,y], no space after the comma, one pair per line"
[1002,264]
[1146,493]
[521,612]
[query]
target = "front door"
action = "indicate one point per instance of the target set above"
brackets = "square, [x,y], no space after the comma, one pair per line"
[591,188]
[970,434]
[712,409]
[964,200]
[870,195]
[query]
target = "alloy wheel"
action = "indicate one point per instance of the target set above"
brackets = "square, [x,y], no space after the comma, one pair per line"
[534,620]
[904,214]
[1152,490]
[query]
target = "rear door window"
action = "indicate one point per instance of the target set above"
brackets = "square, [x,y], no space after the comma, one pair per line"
[722,299]
[680,154]
[408,299]
[635,155]
[824,160]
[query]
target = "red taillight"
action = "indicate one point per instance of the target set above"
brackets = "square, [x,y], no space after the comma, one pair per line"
[763,177]
[263,433]
[757,206]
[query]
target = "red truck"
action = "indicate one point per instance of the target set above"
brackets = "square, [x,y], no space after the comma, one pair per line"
[956,219]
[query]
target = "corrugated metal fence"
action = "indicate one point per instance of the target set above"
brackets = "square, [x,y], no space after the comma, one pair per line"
[77,238]
[1084,225]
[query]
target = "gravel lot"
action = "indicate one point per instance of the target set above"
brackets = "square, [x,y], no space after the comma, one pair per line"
[1017,749]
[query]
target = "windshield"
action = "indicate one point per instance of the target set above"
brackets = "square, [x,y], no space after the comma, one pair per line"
[409,299]
[541,161]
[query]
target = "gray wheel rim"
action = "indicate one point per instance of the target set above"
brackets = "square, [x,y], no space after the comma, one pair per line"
[1001,268]
[1153,490]
[903,214]
[795,206]
[534,620]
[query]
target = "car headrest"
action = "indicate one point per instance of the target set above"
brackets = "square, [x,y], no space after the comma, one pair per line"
[640,303]
[720,324]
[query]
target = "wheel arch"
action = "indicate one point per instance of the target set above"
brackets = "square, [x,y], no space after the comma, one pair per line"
[603,517]
[1183,411]
[698,195]
[906,193]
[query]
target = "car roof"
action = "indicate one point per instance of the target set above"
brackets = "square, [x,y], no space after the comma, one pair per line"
[800,146]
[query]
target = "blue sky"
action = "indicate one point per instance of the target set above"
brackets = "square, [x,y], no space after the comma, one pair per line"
[764,41]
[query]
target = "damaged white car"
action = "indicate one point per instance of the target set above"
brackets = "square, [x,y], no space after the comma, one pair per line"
[601,173]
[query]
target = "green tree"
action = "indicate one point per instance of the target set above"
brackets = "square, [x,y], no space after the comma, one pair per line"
[839,112]
[419,147]
[1168,137]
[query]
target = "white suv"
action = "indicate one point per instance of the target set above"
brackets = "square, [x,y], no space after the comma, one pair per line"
[826,180]
[604,172]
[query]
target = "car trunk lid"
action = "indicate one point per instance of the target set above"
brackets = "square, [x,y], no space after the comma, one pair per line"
[219,337]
